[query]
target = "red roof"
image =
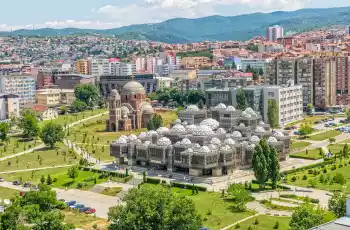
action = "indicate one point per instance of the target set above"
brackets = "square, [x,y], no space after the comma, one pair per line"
[114,59]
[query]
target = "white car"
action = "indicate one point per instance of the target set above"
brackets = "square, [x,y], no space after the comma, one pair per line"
[2,179]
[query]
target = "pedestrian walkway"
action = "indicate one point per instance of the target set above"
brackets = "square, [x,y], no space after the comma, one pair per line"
[35,169]
[21,153]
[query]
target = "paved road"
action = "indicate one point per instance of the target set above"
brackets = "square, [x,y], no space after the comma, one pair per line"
[33,169]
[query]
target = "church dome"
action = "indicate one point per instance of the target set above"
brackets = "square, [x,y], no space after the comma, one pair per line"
[125,110]
[115,93]
[147,109]
[133,87]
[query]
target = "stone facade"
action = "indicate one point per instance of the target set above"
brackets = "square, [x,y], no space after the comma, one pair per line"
[218,144]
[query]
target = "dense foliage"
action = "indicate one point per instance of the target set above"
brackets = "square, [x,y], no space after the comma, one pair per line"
[179,98]
[241,99]
[87,93]
[337,204]
[30,126]
[52,133]
[272,113]
[155,122]
[4,129]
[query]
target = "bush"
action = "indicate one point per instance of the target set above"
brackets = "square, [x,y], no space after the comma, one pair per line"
[209,212]
[310,171]
[182,185]
[152,180]
[250,228]
[270,184]
[237,226]
[339,178]
[89,179]
[325,162]
[54,180]
[256,222]
[81,185]
[315,201]
[325,170]
[304,177]
[334,167]
[290,196]
[340,166]
[277,225]
[294,178]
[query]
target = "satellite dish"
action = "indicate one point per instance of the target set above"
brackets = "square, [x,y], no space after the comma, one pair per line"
[6,201]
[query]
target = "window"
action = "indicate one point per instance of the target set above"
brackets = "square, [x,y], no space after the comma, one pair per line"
[271,94]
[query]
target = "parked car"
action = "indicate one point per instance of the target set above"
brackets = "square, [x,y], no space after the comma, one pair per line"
[71,203]
[27,185]
[2,179]
[326,125]
[21,193]
[85,209]
[79,206]
[90,211]
[16,182]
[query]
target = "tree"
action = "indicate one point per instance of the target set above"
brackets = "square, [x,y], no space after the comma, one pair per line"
[272,113]
[260,166]
[49,180]
[240,194]
[234,66]
[52,133]
[30,126]
[261,72]
[274,167]
[155,122]
[42,179]
[305,130]
[164,210]
[347,112]
[63,109]
[346,150]
[78,106]
[73,172]
[305,217]
[309,108]
[331,140]
[241,99]
[87,93]
[337,204]
[4,129]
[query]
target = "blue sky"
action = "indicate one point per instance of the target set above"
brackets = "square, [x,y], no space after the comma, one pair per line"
[115,13]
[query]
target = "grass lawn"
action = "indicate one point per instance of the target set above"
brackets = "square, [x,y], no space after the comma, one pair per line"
[324,136]
[70,118]
[345,141]
[299,145]
[328,176]
[335,148]
[82,220]
[312,154]
[111,191]
[222,210]
[17,144]
[265,223]
[7,193]
[307,120]
[40,158]
[168,117]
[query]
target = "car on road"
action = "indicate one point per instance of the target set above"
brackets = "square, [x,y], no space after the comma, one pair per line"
[90,211]
[2,179]
[27,185]
[16,182]
[85,209]
[79,206]
[71,203]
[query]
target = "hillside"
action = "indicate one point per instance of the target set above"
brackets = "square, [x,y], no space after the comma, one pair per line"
[242,27]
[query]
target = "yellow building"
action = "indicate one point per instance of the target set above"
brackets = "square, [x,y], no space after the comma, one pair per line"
[183,74]
[55,96]
[83,67]
[196,62]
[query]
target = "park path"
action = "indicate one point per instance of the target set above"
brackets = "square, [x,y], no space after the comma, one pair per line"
[43,145]
[34,169]
[240,221]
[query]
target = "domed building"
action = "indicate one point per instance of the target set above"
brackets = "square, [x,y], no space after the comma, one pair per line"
[129,110]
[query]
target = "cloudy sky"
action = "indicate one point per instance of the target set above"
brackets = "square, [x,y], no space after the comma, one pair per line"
[115,13]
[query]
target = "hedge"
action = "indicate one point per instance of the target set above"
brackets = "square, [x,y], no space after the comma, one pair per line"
[326,162]
[304,157]
[152,180]
[114,174]
[270,184]
[188,186]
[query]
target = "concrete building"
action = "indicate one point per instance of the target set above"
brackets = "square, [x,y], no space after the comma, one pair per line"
[285,71]
[325,82]
[164,82]
[45,76]
[201,142]
[165,69]
[109,82]
[196,62]
[184,74]
[305,78]
[100,66]
[254,63]
[69,81]
[21,85]
[313,47]
[343,80]
[83,67]
[122,69]
[9,106]
[273,33]
[55,96]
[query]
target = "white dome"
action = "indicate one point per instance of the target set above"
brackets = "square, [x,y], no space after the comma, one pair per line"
[178,121]
[213,147]
[123,137]
[205,149]
[202,130]
[244,143]
[242,125]
[184,123]
[189,150]
[221,131]
[220,106]
[192,108]
[164,141]
[251,147]
[250,111]
[178,128]
[225,148]
[236,134]
[259,129]
[272,140]
[186,141]
[178,143]
[261,123]
[213,124]
[190,128]
[278,134]
[215,141]
[132,137]
[229,141]
[246,115]
[151,133]
[143,135]
[254,139]
[230,108]
[162,130]
[196,146]
[146,143]
[121,141]
[138,141]
[125,116]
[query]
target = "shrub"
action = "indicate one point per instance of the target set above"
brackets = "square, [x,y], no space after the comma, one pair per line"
[153,180]
[54,180]
[325,170]
[256,222]
[250,228]
[237,226]
[315,201]
[277,225]
[340,166]
[310,171]
[290,196]
[339,178]
[304,177]
[182,185]
[209,212]
[294,179]
[334,167]
[325,162]
[89,179]
[81,185]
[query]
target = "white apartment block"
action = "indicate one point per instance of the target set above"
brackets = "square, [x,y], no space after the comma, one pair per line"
[289,101]
[21,85]
[100,66]
[9,106]
[122,69]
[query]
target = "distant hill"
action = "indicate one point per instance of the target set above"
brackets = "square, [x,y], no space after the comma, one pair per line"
[242,27]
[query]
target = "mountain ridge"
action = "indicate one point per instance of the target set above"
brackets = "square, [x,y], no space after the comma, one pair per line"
[212,28]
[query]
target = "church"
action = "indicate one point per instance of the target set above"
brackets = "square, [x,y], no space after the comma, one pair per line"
[130,109]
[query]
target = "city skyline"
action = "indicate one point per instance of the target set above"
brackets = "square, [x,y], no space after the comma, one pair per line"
[105,14]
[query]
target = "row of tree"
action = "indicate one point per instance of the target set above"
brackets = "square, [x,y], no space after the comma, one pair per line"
[179,98]
[87,97]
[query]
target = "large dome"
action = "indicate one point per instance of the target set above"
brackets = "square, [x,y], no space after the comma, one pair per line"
[192,108]
[133,87]
[164,141]
[202,130]
[213,124]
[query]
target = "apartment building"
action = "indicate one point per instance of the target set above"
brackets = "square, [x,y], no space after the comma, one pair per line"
[183,74]
[285,71]
[196,62]
[83,67]
[254,63]
[342,80]
[21,85]
[122,69]
[69,81]
[274,32]
[325,82]
[52,97]
[305,77]
[100,66]
[9,106]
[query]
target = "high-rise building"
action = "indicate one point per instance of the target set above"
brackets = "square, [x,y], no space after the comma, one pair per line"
[343,80]
[274,32]
[285,71]
[9,106]
[122,69]
[305,77]
[83,67]
[100,66]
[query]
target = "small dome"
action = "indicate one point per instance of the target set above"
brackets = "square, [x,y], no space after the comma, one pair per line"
[178,128]
[242,125]
[132,137]
[147,109]
[220,106]
[245,114]
[229,141]
[184,123]
[221,131]
[186,141]
[121,141]
[190,128]
[196,146]
[125,110]
[236,134]
[251,147]
[178,121]
[250,111]
[213,124]
[125,116]
[133,87]
[204,149]
[244,143]
[261,123]
[138,141]
[254,139]
[162,130]
[213,147]
[178,143]
[272,140]
[202,130]
[143,135]
[124,137]
[192,108]
[164,141]
[278,134]
[215,141]
[146,143]
[189,150]
[259,129]
[230,108]
[151,133]
[115,93]
[225,148]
